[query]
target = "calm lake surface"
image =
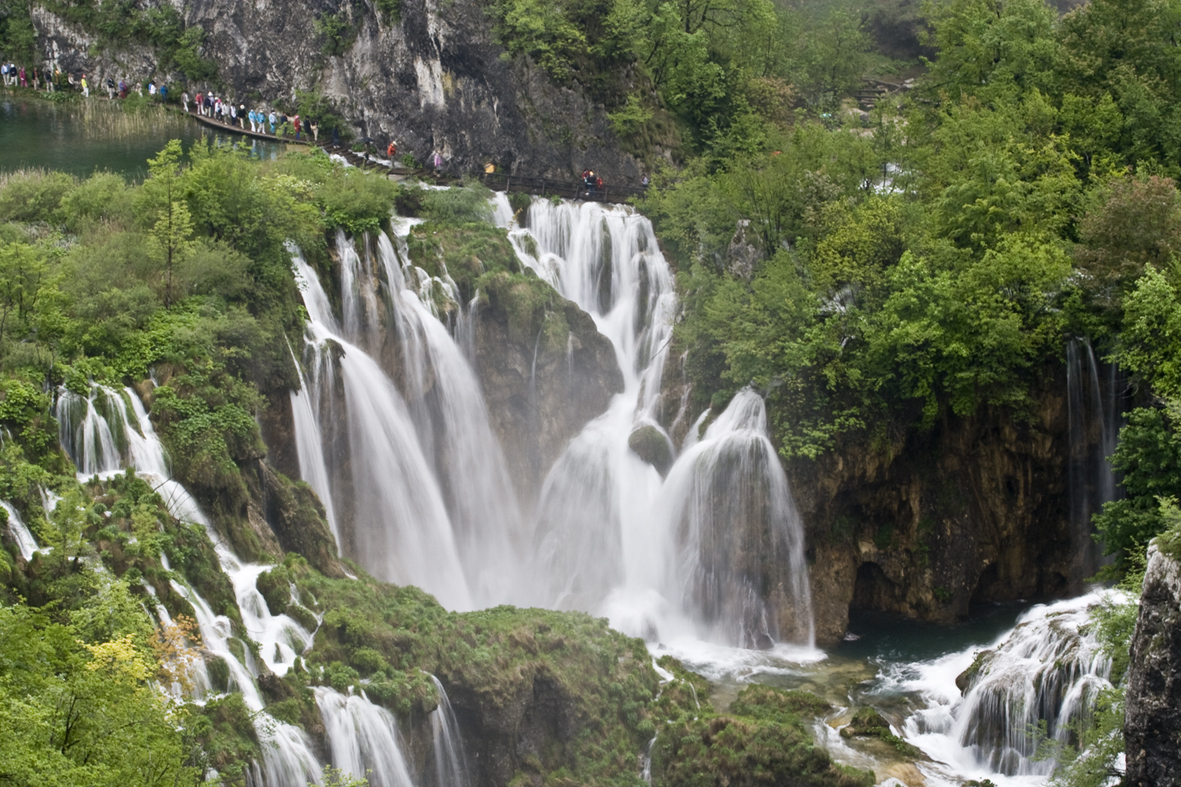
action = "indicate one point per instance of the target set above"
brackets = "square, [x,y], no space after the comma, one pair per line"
[84,136]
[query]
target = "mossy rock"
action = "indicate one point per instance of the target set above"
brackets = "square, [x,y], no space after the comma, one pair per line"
[868,723]
[650,444]
[737,751]
[767,702]
[965,679]
[229,743]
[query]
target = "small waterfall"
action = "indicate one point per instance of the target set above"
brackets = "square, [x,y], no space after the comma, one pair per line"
[1094,415]
[20,533]
[107,433]
[310,449]
[91,430]
[1046,669]
[450,757]
[732,525]
[363,738]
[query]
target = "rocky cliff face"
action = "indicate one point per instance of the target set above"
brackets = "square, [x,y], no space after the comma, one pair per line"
[432,80]
[974,510]
[1152,726]
[539,397]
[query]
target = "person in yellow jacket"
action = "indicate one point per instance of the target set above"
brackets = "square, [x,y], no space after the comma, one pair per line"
[85,87]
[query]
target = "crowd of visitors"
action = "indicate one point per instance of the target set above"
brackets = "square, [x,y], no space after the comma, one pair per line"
[207,104]
[273,123]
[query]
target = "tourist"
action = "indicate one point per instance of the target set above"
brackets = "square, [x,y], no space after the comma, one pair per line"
[184,99]
[164,93]
[85,87]
[152,88]
[315,127]
[110,89]
[436,160]
[233,115]
[24,82]
[295,122]
[242,116]
[122,87]
[4,73]
[391,151]
[644,181]
[253,121]
[271,118]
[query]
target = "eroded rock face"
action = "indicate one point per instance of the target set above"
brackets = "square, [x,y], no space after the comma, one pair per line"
[1152,725]
[432,80]
[540,397]
[975,510]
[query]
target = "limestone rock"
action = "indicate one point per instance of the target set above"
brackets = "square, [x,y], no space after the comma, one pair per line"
[1152,726]
[433,79]
[650,444]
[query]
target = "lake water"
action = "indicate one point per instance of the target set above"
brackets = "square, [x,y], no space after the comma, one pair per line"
[84,136]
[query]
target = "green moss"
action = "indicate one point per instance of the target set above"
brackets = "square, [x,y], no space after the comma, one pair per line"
[396,636]
[868,723]
[762,741]
[227,737]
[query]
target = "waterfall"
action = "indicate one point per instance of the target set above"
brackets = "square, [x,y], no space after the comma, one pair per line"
[395,413]
[469,461]
[310,450]
[614,537]
[20,532]
[106,433]
[400,525]
[718,563]
[90,430]
[450,757]
[363,738]
[1048,668]
[1094,416]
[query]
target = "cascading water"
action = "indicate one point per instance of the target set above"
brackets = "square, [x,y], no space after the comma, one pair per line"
[614,537]
[363,738]
[400,527]
[726,481]
[450,758]
[20,532]
[430,501]
[1047,669]
[1095,414]
[109,439]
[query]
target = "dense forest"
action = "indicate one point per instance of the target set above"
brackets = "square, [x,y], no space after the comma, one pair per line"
[871,273]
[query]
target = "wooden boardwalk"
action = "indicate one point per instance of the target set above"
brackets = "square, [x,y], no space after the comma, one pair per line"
[246,132]
[542,187]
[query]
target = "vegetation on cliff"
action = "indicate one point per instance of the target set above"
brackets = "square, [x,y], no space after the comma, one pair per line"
[181,288]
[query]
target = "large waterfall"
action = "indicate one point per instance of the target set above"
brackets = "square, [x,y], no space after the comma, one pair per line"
[409,448]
